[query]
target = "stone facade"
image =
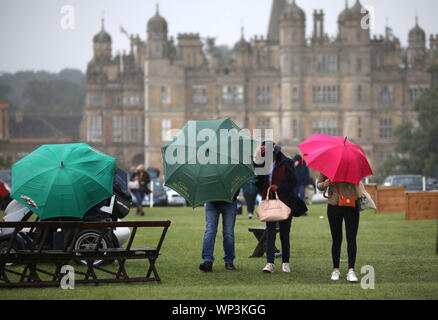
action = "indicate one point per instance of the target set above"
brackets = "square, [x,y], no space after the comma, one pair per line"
[348,85]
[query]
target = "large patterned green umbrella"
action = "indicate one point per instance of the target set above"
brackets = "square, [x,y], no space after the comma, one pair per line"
[63,180]
[208,160]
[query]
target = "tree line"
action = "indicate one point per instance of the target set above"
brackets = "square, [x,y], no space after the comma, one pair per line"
[41,92]
[416,149]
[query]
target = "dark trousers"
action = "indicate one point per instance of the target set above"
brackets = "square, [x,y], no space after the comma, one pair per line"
[336,215]
[302,191]
[250,199]
[271,233]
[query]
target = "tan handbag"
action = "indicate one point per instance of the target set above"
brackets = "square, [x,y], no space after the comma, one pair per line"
[272,210]
[365,200]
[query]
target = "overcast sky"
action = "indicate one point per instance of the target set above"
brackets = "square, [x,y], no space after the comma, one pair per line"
[32,36]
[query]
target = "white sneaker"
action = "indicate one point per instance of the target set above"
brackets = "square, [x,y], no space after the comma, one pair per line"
[335,275]
[269,268]
[352,277]
[285,267]
[249,216]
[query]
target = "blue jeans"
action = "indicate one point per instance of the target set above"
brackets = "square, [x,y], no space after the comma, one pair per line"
[301,191]
[212,212]
[139,196]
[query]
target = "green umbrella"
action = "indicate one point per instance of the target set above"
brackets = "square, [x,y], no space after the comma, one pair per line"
[63,180]
[208,160]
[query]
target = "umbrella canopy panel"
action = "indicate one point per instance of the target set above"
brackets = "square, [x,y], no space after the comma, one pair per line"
[336,158]
[214,161]
[63,180]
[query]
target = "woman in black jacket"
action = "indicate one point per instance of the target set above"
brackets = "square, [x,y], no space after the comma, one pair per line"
[281,179]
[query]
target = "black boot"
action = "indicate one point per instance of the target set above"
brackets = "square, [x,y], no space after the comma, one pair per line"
[206,266]
[230,266]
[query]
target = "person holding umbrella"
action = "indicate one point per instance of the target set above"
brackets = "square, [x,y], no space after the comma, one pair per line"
[336,215]
[206,166]
[212,212]
[281,179]
[342,165]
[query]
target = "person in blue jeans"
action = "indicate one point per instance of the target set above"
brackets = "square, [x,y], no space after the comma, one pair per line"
[303,175]
[212,212]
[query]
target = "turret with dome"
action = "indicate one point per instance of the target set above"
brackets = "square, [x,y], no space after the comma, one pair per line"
[350,28]
[158,42]
[292,25]
[345,14]
[416,45]
[242,45]
[294,12]
[102,43]
[417,34]
[157,26]
[242,51]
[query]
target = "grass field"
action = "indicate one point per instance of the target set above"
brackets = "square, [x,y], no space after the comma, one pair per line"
[401,252]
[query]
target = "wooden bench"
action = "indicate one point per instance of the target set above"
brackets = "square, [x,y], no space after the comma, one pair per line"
[39,260]
[260,249]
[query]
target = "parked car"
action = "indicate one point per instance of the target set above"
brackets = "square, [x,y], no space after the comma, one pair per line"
[431,184]
[5,193]
[160,195]
[174,198]
[318,197]
[5,188]
[258,199]
[6,176]
[412,182]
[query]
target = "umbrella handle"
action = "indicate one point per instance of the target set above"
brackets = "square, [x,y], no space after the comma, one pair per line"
[327,196]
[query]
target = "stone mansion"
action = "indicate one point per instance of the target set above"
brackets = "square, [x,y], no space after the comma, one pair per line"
[350,84]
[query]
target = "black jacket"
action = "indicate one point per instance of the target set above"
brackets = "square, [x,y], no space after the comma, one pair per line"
[287,188]
[288,184]
[302,171]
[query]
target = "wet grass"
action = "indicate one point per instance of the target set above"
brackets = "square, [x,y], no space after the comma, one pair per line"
[401,252]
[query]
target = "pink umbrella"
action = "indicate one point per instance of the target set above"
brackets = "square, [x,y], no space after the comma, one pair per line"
[336,158]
